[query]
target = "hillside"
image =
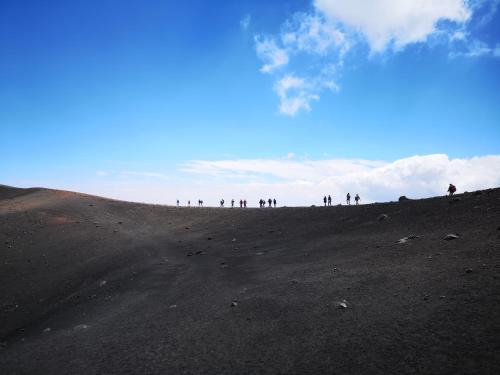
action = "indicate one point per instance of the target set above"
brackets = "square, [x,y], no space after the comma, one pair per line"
[95,286]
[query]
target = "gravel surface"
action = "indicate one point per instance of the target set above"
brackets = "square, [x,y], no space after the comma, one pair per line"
[96,286]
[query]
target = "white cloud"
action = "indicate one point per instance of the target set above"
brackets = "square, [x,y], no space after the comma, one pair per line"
[298,182]
[101,173]
[295,94]
[311,33]
[273,56]
[245,22]
[321,40]
[305,182]
[394,22]
[475,48]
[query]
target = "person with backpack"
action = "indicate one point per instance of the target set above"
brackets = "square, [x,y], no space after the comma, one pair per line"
[452,189]
[357,199]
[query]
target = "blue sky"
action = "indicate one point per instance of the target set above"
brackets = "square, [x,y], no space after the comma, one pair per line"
[125,98]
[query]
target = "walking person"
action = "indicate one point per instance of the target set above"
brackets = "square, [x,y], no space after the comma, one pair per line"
[245,203]
[274,201]
[452,189]
[189,203]
[269,201]
[357,199]
[222,202]
[241,203]
[348,199]
[177,203]
[232,203]
[324,200]
[329,200]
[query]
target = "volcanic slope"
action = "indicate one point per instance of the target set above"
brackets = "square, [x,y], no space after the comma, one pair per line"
[96,286]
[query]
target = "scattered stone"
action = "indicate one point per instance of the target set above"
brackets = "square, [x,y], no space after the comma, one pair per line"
[455,200]
[186,228]
[442,297]
[403,198]
[234,303]
[233,240]
[120,222]
[478,193]
[9,307]
[102,283]
[450,237]
[80,327]
[209,239]
[426,297]
[199,252]
[47,330]
[382,217]
[115,231]
[468,270]
[341,305]
[406,239]
[189,254]
[172,307]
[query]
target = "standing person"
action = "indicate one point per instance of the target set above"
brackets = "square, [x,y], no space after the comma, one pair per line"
[269,201]
[324,200]
[189,203]
[222,202]
[177,203]
[241,203]
[232,203]
[274,201]
[245,203]
[452,189]
[357,199]
[348,199]
[329,200]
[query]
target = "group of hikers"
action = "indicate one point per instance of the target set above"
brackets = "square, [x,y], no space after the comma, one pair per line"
[243,203]
[327,200]
[270,202]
